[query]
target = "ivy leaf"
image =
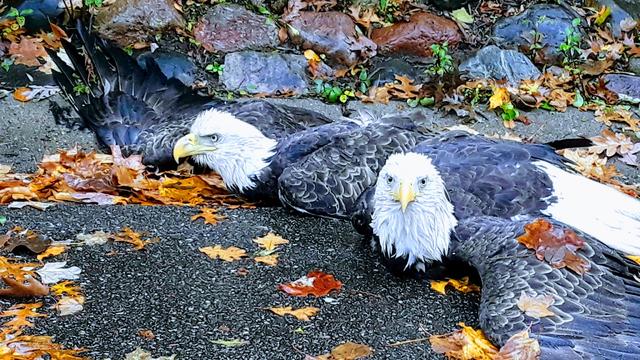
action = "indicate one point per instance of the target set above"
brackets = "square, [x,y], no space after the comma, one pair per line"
[462,16]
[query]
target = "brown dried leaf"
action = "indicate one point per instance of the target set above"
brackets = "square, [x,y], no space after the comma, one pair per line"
[209,215]
[231,253]
[29,287]
[607,115]
[303,314]
[611,143]
[521,347]
[54,250]
[346,351]
[16,270]
[461,285]
[27,51]
[536,306]
[134,238]
[29,239]
[465,343]
[315,283]
[271,260]
[555,245]
[147,334]
[270,242]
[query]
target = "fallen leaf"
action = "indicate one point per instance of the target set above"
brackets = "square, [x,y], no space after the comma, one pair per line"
[229,343]
[147,334]
[601,16]
[348,351]
[461,15]
[555,245]
[461,285]
[27,51]
[21,314]
[54,272]
[21,94]
[34,204]
[536,306]
[231,253]
[140,354]
[315,283]
[54,250]
[134,238]
[69,306]
[607,115]
[209,215]
[270,241]
[628,24]
[500,96]
[29,287]
[19,237]
[96,238]
[271,260]
[521,347]
[41,347]
[635,258]
[68,288]
[465,343]
[303,314]
[17,270]
[611,143]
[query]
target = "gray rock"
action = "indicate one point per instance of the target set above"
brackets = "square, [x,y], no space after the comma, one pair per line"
[620,10]
[172,64]
[267,73]
[129,21]
[229,28]
[634,65]
[384,70]
[627,87]
[495,63]
[552,21]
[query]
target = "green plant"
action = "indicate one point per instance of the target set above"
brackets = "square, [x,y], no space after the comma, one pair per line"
[365,82]
[425,101]
[332,93]
[443,60]
[215,68]
[6,64]
[93,3]
[128,50]
[81,88]
[19,15]
[509,112]
[387,9]
[570,47]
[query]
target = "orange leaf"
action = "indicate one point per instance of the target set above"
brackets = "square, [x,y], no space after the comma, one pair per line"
[270,241]
[271,260]
[303,314]
[27,51]
[231,253]
[29,287]
[500,97]
[127,235]
[22,94]
[536,306]
[556,246]
[21,314]
[54,250]
[461,285]
[315,283]
[465,343]
[209,215]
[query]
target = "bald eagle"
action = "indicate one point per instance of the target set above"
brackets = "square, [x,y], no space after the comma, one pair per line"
[145,113]
[420,196]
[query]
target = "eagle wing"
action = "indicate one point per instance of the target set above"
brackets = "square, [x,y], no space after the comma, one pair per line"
[123,103]
[329,181]
[492,177]
[596,315]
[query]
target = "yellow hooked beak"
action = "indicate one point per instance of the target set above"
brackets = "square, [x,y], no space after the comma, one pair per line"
[189,145]
[405,195]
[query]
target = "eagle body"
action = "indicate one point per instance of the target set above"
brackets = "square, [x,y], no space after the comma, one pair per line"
[596,315]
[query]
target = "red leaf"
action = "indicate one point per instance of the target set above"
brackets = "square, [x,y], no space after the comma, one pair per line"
[315,283]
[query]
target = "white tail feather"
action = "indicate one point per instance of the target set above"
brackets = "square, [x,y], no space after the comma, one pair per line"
[597,209]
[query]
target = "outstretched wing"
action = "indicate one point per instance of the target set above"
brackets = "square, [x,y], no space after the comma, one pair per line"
[115,97]
[596,315]
[492,177]
[329,181]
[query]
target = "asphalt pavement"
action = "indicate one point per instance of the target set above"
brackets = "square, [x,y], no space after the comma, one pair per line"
[189,301]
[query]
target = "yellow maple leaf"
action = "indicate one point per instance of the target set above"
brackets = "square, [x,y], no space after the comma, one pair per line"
[10,267]
[311,55]
[461,285]
[209,215]
[231,253]
[67,287]
[52,251]
[500,96]
[270,241]
[303,314]
[36,346]
[536,306]
[21,314]
[271,260]
[635,258]
[134,238]
[465,343]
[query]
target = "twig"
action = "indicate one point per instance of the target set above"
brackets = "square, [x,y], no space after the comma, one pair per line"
[406,342]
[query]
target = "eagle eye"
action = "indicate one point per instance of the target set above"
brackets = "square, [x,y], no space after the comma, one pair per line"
[214,137]
[389,179]
[423,181]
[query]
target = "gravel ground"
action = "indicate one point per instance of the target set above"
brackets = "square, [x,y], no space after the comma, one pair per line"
[188,300]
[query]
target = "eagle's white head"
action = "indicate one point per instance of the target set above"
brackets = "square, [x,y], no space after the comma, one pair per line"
[412,214]
[231,147]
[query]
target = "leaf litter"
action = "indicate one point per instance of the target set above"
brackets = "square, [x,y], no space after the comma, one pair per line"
[316,283]
[461,285]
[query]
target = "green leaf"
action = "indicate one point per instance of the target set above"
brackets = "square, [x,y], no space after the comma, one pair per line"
[6,64]
[230,343]
[579,100]
[13,12]
[509,112]
[209,67]
[412,102]
[602,17]
[576,22]
[462,16]
[26,12]
[363,75]
[545,105]
[264,11]
[427,101]
[21,20]
[3,220]
[299,330]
